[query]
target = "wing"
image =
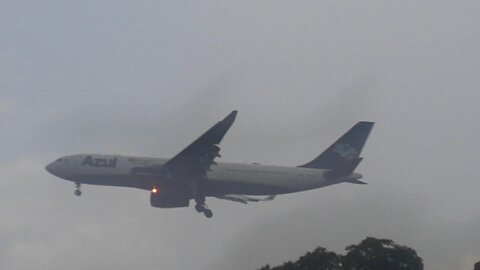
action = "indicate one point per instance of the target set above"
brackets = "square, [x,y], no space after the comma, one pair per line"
[195,160]
[244,199]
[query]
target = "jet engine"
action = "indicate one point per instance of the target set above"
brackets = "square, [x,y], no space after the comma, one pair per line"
[168,198]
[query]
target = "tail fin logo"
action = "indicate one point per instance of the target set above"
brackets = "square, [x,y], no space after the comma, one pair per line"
[345,150]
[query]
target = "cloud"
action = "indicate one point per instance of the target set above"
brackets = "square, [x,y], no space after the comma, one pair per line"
[469,261]
[148,78]
[6,106]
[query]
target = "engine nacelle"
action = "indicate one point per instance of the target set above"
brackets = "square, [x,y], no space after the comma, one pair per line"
[169,199]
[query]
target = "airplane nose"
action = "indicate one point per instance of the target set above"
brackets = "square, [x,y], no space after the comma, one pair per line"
[58,168]
[49,168]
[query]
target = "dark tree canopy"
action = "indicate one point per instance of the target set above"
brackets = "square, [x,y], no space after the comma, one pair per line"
[381,254]
[319,259]
[477,266]
[370,254]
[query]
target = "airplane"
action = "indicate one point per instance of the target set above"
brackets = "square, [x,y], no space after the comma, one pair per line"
[194,174]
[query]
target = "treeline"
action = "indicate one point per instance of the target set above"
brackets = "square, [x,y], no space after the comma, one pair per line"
[370,254]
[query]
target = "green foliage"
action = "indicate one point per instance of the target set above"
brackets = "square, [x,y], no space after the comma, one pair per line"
[320,258]
[286,266]
[370,254]
[381,254]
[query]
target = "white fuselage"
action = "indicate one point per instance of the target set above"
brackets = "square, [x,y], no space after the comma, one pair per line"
[222,178]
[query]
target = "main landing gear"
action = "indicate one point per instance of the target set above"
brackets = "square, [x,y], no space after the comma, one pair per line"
[199,196]
[203,208]
[197,188]
[208,213]
[78,192]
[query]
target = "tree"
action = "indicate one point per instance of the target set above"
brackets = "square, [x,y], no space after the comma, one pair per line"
[381,254]
[286,266]
[477,266]
[320,258]
[370,254]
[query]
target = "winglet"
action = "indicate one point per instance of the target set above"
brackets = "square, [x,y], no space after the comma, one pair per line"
[231,117]
[219,130]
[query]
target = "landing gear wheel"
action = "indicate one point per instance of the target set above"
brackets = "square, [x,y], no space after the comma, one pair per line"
[78,192]
[208,213]
[199,208]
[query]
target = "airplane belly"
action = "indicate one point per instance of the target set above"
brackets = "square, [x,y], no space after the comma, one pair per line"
[263,180]
[248,182]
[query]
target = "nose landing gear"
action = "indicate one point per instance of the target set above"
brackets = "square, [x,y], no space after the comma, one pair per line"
[78,192]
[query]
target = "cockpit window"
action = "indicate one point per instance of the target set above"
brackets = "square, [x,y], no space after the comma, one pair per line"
[58,160]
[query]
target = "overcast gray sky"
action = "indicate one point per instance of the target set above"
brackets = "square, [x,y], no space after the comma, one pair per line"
[147,77]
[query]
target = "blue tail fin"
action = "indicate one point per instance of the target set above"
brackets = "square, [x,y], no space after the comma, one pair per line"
[345,151]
